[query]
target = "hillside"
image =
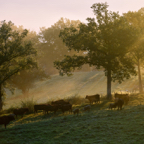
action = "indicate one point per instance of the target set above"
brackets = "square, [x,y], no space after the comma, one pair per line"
[100,125]
[81,83]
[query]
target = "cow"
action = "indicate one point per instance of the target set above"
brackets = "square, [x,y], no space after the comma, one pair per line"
[59,102]
[6,119]
[53,108]
[93,98]
[20,111]
[125,97]
[40,107]
[119,103]
[66,107]
[76,111]
[112,105]
[87,108]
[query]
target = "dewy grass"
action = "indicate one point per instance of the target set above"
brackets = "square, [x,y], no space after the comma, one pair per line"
[100,125]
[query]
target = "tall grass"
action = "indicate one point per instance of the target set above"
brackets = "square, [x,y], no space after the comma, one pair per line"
[76,99]
[29,103]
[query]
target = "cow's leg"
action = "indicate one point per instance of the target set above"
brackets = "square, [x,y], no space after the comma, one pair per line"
[55,112]
[121,107]
[35,111]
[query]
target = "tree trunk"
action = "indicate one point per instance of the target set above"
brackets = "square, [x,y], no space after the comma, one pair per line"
[1,102]
[139,77]
[109,83]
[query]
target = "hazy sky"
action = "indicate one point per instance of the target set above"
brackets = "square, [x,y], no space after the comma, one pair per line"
[33,14]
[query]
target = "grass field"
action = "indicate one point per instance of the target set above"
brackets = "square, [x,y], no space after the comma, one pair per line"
[100,125]
[81,83]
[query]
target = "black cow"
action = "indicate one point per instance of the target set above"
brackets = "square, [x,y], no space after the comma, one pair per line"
[59,102]
[53,108]
[40,107]
[6,119]
[20,111]
[119,103]
[66,107]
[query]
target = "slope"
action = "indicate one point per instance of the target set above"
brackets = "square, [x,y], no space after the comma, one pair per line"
[81,83]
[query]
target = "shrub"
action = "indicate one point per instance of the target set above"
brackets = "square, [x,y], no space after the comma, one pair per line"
[29,104]
[75,99]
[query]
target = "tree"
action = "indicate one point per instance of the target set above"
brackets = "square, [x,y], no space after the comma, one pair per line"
[52,48]
[137,50]
[137,55]
[104,41]
[15,54]
[26,79]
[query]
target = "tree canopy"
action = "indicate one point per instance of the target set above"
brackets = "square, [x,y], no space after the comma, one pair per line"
[52,48]
[26,79]
[104,41]
[137,49]
[15,54]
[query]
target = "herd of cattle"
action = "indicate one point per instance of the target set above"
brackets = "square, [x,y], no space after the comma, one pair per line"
[64,106]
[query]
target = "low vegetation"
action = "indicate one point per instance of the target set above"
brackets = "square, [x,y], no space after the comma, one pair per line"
[100,125]
[78,85]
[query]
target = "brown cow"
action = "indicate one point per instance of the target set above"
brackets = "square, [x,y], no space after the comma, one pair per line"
[125,97]
[20,111]
[93,98]
[6,119]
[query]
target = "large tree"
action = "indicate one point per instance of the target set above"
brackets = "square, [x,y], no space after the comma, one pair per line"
[15,54]
[52,48]
[25,79]
[136,19]
[104,41]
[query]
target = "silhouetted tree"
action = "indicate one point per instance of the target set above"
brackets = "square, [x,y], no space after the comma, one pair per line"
[26,79]
[104,41]
[15,54]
